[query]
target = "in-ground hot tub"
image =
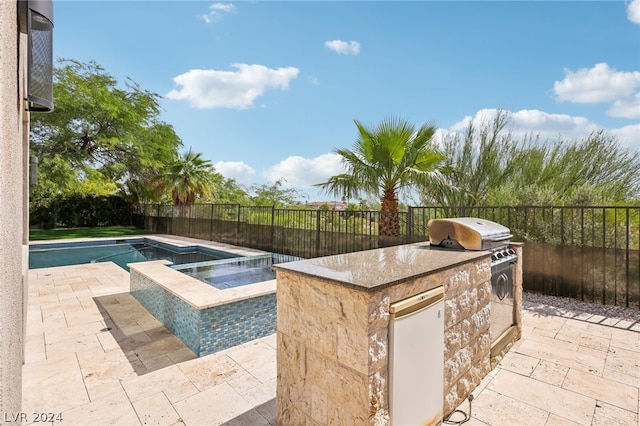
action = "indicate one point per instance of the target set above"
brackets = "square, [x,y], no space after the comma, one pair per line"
[206,318]
[235,272]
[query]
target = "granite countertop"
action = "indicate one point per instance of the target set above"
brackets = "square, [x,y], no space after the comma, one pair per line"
[374,269]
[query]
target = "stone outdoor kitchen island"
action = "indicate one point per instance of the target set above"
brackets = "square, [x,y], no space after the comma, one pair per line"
[333,329]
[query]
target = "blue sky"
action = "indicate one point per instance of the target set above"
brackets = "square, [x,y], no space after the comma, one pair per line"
[267,90]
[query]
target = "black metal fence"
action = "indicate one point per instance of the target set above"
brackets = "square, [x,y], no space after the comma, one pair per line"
[588,253]
[302,233]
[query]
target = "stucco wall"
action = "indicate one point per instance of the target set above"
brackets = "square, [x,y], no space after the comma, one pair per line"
[11,212]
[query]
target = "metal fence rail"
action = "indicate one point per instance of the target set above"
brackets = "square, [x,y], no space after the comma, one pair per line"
[589,253]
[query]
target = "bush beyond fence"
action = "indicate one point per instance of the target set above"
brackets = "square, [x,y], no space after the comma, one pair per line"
[80,211]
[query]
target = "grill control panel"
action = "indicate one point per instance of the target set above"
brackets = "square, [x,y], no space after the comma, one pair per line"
[504,254]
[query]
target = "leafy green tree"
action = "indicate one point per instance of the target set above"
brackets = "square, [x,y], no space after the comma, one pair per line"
[99,126]
[275,195]
[594,169]
[353,207]
[143,188]
[188,178]
[487,165]
[370,204]
[228,191]
[477,160]
[55,177]
[390,158]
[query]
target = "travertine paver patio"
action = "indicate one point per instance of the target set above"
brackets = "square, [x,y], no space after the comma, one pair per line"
[570,368]
[97,357]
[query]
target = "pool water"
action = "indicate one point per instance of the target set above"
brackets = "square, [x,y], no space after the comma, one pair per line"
[119,252]
[230,273]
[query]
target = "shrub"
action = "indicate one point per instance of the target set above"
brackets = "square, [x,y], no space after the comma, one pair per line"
[81,211]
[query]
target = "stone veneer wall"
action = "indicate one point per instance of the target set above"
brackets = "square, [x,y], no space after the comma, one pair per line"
[211,329]
[466,331]
[333,344]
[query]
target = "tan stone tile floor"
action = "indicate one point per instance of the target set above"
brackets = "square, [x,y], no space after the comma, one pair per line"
[97,357]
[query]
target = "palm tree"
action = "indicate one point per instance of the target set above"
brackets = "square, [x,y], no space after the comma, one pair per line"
[189,177]
[386,160]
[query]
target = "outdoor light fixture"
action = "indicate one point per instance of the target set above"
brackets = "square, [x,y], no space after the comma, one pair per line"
[36,20]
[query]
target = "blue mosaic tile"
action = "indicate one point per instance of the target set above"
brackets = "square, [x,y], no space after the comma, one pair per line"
[208,330]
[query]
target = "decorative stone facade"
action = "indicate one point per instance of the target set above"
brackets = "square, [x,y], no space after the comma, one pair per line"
[467,338]
[333,322]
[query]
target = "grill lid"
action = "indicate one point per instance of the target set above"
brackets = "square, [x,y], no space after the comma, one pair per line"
[470,233]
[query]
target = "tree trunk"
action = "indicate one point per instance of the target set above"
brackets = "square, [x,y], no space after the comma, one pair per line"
[389,225]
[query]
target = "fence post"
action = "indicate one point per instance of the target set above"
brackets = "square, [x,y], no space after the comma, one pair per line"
[238,225]
[626,292]
[157,218]
[615,255]
[273,228]
[188,215]
[604,255]
[317,233]
[409,238]
[562,232]
[211,223]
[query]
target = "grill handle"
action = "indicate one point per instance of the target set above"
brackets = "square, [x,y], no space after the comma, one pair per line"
[498,239]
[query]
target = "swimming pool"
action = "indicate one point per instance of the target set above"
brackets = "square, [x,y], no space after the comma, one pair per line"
[119,251]
[210,299]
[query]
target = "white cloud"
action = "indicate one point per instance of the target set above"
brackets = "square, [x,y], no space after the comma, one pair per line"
[546,125]
[480,118]
[601,84]
[626,107]
[633,11]
[442,134]
[551,126]
[217,11]
[230,89]
[238,170]
[628,136]
[343,47]
[305,172]
[598,84]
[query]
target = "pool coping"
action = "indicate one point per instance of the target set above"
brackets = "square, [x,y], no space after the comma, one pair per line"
[196,293]
[177,241]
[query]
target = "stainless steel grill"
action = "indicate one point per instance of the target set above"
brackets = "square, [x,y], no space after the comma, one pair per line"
[470,233]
